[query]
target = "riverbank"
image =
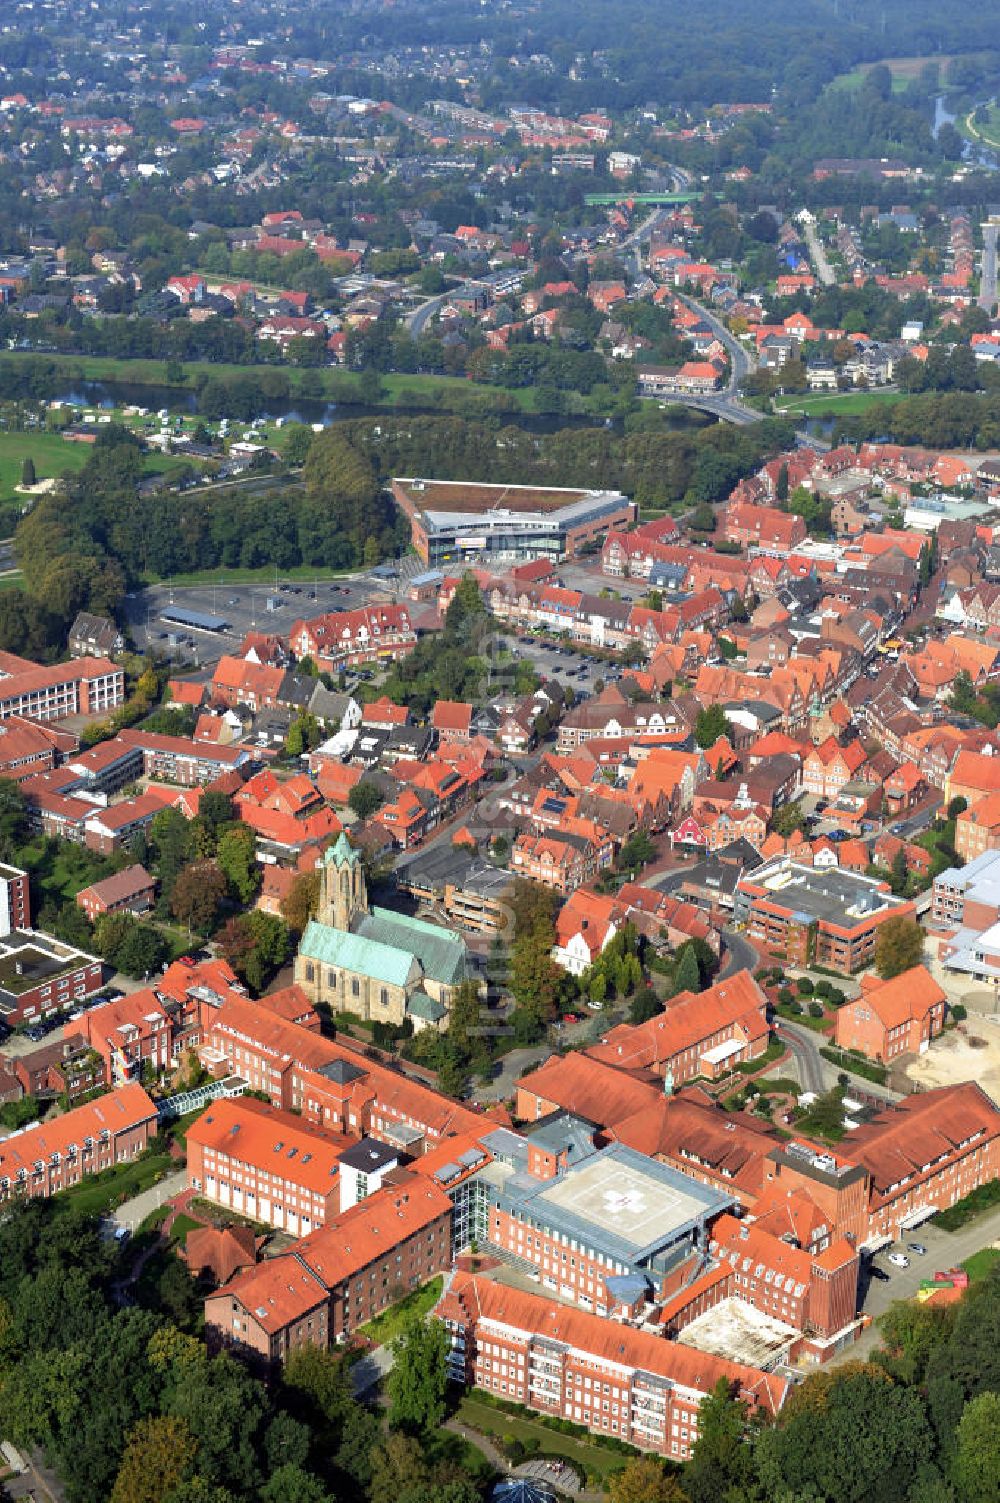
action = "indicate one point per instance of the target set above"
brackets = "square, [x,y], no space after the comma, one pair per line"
[835,404]
[322,386]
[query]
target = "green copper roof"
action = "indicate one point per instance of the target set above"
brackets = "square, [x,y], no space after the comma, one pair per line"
[441,953]
[362,954]
[422,1006]
[341,853]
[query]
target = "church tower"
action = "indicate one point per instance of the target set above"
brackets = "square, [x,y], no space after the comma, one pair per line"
[343,894]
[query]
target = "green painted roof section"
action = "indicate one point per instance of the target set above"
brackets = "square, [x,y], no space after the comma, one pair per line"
[441,953]
[363,954]
[422,1006]
[341,853]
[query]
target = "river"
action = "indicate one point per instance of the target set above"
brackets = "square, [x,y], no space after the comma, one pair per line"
[113,394]
[981,156]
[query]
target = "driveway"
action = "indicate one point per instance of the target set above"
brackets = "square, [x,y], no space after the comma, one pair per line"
[944,1250]
[740,954]
[371,1369]
[512,1067]
[131,1213]
[812,1070]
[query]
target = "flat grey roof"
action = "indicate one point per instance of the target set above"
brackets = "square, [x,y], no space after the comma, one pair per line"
[620,1201]
[594,504]
[829,895]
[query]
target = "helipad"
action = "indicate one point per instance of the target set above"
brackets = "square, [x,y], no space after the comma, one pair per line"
[633,1211]
[640,1206]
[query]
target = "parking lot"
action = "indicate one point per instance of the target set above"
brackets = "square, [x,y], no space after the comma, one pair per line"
[944,1250]
[244,608]
[565,664]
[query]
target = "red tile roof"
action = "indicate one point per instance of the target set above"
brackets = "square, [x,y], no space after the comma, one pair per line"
[470,1299]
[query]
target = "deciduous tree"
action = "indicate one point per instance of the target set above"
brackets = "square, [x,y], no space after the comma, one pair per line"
[419,1375]
[159,1456]
[197,894]
[899,946]
[645,1480]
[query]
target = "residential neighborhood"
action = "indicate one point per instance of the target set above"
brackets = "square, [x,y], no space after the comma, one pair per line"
[499,753]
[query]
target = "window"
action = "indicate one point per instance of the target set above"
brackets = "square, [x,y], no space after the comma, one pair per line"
[331,978]
[355,987]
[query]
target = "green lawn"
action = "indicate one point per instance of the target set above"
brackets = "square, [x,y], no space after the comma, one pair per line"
[979,1265]
[835,404]
[104,1191]
[903,69]
[324,383]
[436,393]
[387,1326]
[176,1128]
[594,1459]
[302,573]
[181,1227]
[51,454]
[989,134]
[852,80]
[54,456]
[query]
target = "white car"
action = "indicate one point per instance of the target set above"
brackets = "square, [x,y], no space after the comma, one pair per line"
[899,1260]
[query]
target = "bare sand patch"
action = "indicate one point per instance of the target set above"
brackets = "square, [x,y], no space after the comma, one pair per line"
[971,1052]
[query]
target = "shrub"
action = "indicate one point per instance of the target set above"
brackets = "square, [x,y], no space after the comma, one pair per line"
[857,1065]
[805,986]
[824,988]
[958,1012]
[836,997]
[785,996]
[815,1009]
[980,1199]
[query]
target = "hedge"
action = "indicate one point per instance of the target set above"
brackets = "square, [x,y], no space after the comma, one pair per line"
[983,1199]
[554,1422]
[863,1067]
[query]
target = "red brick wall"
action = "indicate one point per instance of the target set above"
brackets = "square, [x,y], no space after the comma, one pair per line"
[832,1298]
[53,994]
[949,1183]
[397,1271]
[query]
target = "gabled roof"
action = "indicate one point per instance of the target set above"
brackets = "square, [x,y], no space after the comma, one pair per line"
[118,888]
[372,1229]
[350,952]
[688,1019]
[276,1292]
[905,1140]
[910,995]
[469,1300]
[589,1088]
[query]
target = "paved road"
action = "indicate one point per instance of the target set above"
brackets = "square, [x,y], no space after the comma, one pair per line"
[243,607]
[810,1066]
[988,278]
[920,821]
[418,318]
[818,256]
[134,1211]
[740,954]
[740,361]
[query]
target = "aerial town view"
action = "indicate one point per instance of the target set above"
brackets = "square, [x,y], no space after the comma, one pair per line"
[499,751]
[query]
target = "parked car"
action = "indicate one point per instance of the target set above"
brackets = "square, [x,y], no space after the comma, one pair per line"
[899,1260]
[917,1247]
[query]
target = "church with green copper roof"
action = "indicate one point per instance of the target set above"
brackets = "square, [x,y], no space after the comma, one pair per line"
[383,966]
